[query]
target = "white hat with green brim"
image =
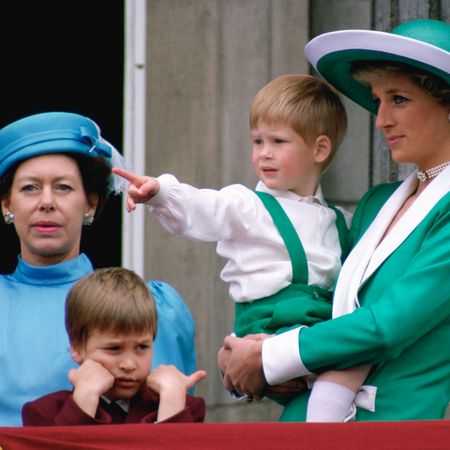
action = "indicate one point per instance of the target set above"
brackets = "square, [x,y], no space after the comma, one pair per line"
[420,43]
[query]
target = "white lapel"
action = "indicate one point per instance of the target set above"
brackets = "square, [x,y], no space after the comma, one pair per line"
[367,256]
[410,220]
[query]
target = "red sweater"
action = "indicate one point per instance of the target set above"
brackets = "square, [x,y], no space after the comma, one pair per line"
[60,409]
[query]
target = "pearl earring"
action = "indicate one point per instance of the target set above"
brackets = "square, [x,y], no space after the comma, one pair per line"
[88,219]
[9,218]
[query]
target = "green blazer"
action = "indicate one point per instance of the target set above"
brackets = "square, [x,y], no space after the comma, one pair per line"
[402,327]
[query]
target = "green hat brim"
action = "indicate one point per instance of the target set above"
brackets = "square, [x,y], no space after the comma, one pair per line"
[332,54]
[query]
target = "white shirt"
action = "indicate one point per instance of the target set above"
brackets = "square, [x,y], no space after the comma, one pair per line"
[258,264]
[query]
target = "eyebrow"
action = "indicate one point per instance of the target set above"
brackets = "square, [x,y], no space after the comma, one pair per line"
[396,90]
[37,178]
[144,341]
[117,341]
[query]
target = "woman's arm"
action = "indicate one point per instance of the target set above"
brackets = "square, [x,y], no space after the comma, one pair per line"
[174,343]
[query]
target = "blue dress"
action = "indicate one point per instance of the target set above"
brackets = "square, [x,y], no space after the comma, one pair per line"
[34,348]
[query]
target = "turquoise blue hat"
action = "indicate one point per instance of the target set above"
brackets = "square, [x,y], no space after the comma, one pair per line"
[52,132]
[420,43]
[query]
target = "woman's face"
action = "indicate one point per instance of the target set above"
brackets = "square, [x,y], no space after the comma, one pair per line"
[49,202]
[415,126]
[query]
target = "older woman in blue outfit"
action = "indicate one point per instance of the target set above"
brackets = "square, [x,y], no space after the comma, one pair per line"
[392,299]
[55,174]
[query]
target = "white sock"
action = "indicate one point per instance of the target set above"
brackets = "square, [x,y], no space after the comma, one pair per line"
[329,402]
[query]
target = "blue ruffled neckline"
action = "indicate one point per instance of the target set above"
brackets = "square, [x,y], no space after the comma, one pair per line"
[61,273]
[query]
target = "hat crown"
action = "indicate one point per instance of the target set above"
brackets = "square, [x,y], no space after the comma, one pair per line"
[51,132]
[433,32]
[422,44]
[52,124]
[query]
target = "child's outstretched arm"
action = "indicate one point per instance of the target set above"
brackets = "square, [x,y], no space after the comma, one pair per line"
[142,188]
[90,381]
[171,386]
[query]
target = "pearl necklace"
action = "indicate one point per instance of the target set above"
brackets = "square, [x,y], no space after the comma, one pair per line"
[425,175]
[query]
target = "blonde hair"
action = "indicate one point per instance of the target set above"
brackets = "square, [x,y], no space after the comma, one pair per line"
[112,299]
[366,72]
[310,106]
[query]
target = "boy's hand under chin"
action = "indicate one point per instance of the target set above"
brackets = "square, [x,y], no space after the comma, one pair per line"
[90,381]
[171,385]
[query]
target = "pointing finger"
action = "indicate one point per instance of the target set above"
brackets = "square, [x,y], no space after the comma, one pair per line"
[129,176]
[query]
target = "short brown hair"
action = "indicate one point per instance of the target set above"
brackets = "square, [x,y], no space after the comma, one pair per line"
[367,72]
[111,299]
[310,106]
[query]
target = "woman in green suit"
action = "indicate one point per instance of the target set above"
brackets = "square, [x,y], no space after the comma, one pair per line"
[391,307]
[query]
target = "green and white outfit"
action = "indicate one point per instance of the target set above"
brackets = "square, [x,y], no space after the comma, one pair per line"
[400,287]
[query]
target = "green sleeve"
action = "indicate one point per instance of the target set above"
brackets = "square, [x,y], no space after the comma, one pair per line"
[406,298]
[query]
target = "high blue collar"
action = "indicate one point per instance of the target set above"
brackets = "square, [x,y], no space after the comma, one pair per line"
[62,273]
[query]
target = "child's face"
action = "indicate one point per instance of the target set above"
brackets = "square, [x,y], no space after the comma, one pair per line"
[282,159]
[127,356]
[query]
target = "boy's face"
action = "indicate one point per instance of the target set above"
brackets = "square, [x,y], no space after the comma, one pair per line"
[127,357]
[282,159]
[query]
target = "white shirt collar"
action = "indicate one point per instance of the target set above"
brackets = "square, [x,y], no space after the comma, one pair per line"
[124,404]
[316,198]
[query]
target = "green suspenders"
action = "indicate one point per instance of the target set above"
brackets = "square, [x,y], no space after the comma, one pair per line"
[341,225]
[290,237]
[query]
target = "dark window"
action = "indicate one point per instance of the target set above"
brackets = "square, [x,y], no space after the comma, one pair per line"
[65,56]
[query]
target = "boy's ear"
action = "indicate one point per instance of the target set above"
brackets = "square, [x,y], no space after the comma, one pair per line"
[76,354]
[322,148]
